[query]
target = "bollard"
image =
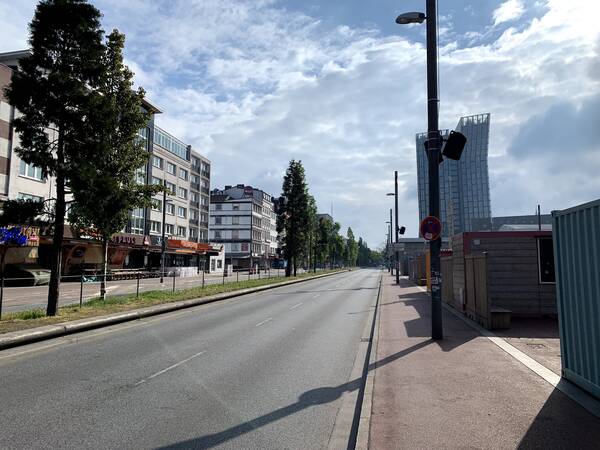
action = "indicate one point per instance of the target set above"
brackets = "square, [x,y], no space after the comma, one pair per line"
[223,277]
[259,273]
[269,271]
[81,291]
[203,279]
[174,280]
[237,275]
[248,274]
[137,289]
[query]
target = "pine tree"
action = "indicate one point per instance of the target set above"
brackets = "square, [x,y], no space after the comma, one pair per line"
[110,176]
[50,90]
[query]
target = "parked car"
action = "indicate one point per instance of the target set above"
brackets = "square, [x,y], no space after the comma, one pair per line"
[25,275]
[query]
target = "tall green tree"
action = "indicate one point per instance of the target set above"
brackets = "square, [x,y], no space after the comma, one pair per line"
[51,90]
[351,248]
[312,230]
[292,220]
[110,177]
[324,249]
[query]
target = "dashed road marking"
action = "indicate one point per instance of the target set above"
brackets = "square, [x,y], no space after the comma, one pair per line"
[263,322]
[160,372]
[295,306]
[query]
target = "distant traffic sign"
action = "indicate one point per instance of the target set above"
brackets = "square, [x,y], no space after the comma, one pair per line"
[430,228]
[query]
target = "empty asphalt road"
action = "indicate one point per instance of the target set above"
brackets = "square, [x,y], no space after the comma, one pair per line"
[262,371]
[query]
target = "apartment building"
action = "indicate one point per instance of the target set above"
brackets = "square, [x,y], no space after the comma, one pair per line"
[243,219]
[184,171]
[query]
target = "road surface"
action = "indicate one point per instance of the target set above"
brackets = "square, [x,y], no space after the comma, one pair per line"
[31,297]
[263,371]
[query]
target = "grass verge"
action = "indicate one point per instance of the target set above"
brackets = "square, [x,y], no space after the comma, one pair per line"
[96,307]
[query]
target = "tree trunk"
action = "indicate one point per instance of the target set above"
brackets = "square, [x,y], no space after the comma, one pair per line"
[104,267]
[59,231]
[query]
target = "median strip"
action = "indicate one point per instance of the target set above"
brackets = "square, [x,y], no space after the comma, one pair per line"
[72,319]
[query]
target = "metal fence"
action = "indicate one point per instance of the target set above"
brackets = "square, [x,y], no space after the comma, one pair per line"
[78,289]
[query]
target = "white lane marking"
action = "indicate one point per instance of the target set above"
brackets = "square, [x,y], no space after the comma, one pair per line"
[295,306]
[316,295]
[160,372]
[264,321]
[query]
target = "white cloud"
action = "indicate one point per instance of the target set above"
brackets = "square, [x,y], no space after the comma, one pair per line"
[508,11]
[254,85]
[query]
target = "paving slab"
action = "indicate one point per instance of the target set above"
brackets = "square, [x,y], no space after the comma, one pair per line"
[463,391]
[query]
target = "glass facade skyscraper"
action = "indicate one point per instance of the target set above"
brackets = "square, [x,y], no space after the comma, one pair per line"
[464,184]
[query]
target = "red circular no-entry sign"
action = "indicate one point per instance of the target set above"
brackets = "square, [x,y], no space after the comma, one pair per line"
[430,228]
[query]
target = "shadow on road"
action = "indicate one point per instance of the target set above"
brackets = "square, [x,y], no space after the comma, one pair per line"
[310,398]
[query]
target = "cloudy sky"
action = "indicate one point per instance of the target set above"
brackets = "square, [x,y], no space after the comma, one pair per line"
[337,84]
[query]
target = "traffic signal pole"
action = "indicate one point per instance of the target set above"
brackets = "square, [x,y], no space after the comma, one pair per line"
[434,147]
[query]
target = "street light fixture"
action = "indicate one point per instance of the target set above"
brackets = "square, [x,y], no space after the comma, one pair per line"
[410,17]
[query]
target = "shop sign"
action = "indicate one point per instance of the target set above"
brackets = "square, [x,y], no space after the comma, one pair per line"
[127,239]
[179,243]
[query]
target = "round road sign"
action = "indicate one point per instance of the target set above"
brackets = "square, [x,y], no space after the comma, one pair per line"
[430,228]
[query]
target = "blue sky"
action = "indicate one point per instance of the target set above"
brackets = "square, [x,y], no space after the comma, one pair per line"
[337,84]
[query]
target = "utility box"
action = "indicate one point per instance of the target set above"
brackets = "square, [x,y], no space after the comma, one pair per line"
[577,268]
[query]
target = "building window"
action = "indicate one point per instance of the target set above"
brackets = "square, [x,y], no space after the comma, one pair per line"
[137,221]
[195,179]
[169,229]
[181,212]
[157,162]
[219,264]
[156,205]
[182,192]
[29,197]
[156,180]
[217,234]
[171,188]
[218,220]
[30,171]
[235,220]
[171,168]
[155,226]
[181,231]
[194,196]
[235,207]
[218,206]
[235,234]
[194,214]
[193,233]
[170,208]
[170,144]
[183,174]
[546,261]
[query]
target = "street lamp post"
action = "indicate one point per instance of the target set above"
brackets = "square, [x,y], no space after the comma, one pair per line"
[433,149]
[163,243]
[397,229]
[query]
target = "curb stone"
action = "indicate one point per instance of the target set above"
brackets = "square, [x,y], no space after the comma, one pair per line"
[24,337]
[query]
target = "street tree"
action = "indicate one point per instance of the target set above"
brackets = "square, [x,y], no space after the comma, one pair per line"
[50,90]
[325,231]
[312,231]
[351,248]
[292,219]
[110,177]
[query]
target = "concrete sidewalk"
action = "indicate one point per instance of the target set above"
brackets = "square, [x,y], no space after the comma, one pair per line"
[462,392]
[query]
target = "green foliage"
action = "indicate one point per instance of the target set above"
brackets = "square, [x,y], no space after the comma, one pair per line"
[351,248]
[21,212]
[366,256]
[51,90]
[106,187]
[293,217]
